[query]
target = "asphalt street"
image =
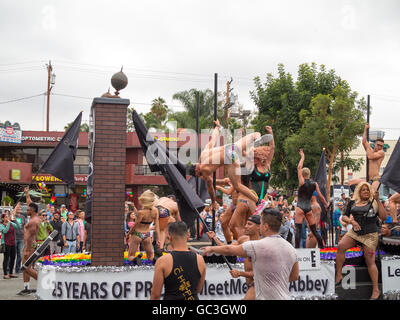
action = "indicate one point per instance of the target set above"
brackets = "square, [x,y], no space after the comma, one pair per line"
[10,287]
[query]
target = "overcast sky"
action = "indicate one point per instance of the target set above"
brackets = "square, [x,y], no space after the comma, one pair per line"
[170,46]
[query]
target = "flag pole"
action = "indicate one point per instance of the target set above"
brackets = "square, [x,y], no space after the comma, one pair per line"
[213,241]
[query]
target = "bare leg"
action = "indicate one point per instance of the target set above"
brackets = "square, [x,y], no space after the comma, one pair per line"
[234,177]
[298,221]
[393,201]
[313,228]
[238,220]
[250,294]
[225,219]
[147,246]
[369,255]
[311,241]
[133,247]
[29,272]
[344,244]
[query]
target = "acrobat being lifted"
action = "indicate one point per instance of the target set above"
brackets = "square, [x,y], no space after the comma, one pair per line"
[228,155]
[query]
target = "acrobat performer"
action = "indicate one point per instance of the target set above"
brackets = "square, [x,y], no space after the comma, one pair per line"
[228,156]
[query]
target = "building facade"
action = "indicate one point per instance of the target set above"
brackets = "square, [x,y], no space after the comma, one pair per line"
[19,165]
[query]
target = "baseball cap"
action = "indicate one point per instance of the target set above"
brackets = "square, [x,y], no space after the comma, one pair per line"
[255,219]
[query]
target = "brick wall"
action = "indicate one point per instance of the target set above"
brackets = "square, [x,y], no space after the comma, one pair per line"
[109,181]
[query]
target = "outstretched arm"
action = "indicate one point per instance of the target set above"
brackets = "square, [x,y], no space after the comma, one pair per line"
[365,143]
[321,197]
[300,167]
[271,145]
[214,136]
[28,197]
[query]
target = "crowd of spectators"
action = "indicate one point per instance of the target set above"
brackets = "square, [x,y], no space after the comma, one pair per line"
[73,234]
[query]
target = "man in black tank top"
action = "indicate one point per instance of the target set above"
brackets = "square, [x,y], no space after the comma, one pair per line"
[182,272]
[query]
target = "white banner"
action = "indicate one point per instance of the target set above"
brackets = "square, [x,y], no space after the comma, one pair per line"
[132,284]
[390,275]
[314,282]
[136,283]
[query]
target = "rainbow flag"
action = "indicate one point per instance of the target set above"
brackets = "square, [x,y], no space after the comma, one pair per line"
[52,200]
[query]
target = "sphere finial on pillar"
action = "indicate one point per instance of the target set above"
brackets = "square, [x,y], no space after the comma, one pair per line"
[119,81]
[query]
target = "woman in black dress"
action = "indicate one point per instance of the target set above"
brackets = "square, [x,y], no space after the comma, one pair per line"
[363,214]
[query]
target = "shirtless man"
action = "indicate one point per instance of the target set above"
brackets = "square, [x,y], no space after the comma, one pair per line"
[227,216]
[394,200]
[30,232]
[251,232]
[375,158]
[168,212]
[228,155]
[245,207]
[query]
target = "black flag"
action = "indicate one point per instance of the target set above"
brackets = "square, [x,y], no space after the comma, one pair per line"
[203,191]
[321,179]
[60,162]
[391,175]
[174,172]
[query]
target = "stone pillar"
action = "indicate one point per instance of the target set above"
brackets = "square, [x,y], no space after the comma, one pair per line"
[109,119]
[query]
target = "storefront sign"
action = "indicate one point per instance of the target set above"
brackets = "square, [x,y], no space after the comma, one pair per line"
[79,178]
[390,275]
[10,134]
[167,139]
[41,139]
[15,174]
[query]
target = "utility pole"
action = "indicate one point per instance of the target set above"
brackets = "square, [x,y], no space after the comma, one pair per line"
[50,81]
[367,161]
[227,103]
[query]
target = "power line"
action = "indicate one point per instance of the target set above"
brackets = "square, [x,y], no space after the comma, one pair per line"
[89,98]
[25,98]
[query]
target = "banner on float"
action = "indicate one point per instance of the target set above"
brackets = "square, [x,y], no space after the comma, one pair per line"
[390,275]
[309,259]
[314,283]
[91,283]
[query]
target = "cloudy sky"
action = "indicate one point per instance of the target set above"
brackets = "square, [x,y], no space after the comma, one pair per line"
[170,46]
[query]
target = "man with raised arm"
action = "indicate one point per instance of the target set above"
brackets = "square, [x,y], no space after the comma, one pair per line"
[375,157]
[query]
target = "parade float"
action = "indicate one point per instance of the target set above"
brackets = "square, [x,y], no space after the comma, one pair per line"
[106,274]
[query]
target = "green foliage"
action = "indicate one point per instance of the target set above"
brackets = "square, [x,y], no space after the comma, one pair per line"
[83,128]
[7,201]
[317,111]
[187,118]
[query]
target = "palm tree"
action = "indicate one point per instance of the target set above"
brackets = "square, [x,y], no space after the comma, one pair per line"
[187,118]
[160,109]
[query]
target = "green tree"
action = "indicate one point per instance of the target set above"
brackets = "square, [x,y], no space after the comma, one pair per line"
[83,128]
[187,118]
[284,104]
[334,123]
